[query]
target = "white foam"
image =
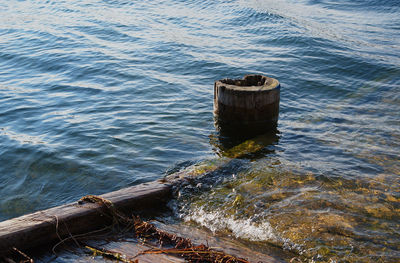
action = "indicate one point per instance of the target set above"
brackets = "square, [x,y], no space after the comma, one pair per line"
[240,228]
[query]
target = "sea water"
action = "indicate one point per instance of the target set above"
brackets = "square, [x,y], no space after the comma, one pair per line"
[100,95]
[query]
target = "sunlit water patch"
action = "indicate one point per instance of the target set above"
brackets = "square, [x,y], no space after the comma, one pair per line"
[319,217]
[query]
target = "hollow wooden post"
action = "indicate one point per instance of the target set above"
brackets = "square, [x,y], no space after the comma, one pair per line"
[250,104]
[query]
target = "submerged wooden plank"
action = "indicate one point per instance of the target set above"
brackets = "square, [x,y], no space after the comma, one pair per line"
[230,246]
[131,250]
[56,223]
[130,247]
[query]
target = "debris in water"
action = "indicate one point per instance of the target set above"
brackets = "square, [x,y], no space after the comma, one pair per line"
[181,247]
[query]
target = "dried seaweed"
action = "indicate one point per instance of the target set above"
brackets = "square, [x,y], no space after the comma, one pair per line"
[118,217]
[200,253]
[181,247]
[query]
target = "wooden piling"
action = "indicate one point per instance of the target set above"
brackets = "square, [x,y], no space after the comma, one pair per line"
[251,103]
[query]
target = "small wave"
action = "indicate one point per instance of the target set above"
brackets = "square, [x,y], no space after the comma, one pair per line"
[23,138]
[240,228]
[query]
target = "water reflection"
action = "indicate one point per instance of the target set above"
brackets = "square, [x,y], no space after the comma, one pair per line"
[241,141]
[244,145]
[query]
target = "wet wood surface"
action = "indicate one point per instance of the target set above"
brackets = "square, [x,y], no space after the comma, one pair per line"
[132,249]
[222,243]
[57,223]
[255,99]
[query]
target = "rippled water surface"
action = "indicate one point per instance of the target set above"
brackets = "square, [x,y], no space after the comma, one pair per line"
[99,95]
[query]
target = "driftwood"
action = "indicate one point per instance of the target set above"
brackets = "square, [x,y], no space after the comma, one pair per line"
[164,243]
[65,221]
[176,246]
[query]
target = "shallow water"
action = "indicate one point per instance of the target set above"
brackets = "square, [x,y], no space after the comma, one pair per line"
[99,95]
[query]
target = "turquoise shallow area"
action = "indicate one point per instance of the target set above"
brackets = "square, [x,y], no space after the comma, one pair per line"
[99,95]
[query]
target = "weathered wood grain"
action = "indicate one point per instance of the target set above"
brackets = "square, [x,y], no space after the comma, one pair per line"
[229,246]
[245,104]
[56,223]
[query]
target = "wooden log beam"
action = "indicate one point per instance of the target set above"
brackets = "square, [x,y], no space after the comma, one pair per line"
[51,225]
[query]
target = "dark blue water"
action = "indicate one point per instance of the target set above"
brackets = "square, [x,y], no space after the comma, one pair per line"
[99,95]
